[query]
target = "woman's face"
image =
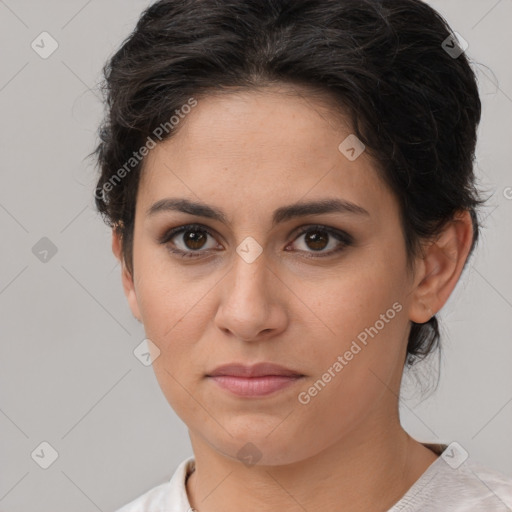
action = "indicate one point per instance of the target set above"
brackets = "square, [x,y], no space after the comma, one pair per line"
[332,309]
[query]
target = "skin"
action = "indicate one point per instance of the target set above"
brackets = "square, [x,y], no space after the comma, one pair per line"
[249,153]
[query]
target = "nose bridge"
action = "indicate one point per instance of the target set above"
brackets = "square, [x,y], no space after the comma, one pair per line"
[248,280]
[246,306]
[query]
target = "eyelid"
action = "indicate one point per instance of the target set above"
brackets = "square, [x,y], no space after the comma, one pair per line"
[341,236]
[345,240]
[171,233]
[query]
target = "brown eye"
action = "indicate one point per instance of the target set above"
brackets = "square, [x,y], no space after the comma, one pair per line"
[315,239]
[194,239]
[189,241]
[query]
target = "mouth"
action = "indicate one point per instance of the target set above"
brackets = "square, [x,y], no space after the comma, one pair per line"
[254,386]
[258,380]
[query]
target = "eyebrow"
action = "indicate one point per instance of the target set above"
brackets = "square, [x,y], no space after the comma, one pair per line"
[282,214]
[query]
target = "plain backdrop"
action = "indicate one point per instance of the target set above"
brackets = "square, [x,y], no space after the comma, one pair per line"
[68,374]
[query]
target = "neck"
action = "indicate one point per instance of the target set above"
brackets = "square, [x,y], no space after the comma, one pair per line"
[365,470]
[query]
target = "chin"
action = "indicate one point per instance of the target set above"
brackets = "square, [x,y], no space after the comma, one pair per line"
[260,448]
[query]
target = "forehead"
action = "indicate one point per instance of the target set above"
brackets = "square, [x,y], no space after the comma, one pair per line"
[254,146]
[270,118]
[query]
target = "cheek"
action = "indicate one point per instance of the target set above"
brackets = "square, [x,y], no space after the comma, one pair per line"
[356,368]
[174,319]
[171,302]
[355,298]
[165,291]
[363,311]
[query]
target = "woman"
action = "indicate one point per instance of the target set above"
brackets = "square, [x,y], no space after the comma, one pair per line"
[291,190]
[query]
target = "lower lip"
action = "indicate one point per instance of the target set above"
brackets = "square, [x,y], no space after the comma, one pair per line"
[254,386]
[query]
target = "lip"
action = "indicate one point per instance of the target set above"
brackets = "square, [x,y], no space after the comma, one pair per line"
[254,386]
[255,370]
[257,380]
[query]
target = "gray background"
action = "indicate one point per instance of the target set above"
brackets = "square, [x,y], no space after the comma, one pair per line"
[68,375]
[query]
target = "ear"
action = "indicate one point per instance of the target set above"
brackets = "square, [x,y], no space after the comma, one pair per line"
[126,277]
[440,267]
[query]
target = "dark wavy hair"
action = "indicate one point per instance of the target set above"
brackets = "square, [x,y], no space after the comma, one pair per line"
[414,104]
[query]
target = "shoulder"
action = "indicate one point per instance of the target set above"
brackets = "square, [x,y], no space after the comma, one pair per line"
[488,489]
[154,500]
[170,496]
[456,483]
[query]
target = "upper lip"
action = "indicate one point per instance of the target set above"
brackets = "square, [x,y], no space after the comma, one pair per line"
[256,370]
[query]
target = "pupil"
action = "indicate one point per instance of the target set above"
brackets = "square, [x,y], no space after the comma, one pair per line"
[193,240]
[318,239]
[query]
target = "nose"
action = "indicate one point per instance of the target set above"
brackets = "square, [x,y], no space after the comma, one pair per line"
[252,301]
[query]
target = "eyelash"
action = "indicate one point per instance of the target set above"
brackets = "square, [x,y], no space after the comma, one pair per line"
[343,237]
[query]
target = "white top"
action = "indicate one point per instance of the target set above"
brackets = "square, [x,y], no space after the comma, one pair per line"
[452,483]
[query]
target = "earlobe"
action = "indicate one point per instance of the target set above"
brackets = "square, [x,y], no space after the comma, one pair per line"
[126,277]
[441,266]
